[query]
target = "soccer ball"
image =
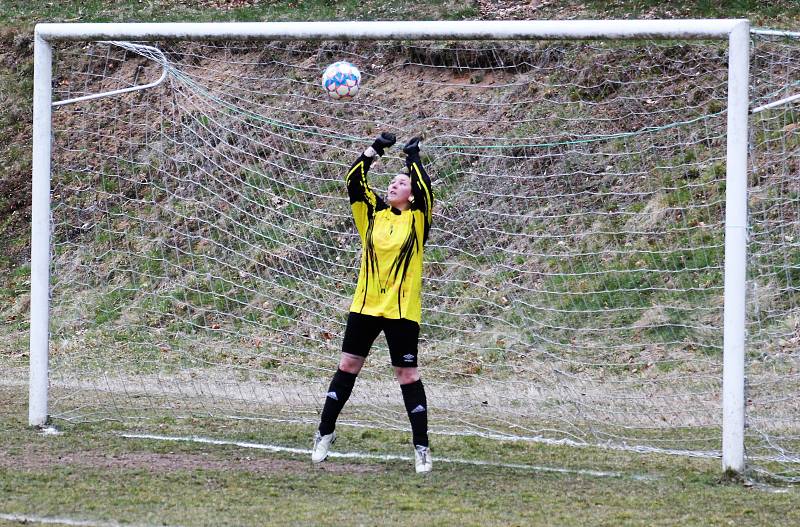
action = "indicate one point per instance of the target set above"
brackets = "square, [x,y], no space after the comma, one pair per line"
[341,80]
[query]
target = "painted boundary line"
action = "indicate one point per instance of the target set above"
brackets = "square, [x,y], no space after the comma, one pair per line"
[387,457]
[638,449]
[52,520]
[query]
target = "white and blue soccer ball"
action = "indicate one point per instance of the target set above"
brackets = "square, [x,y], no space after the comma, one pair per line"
[341,80]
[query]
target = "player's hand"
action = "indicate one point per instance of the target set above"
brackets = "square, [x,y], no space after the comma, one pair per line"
[384,141]
[412,147]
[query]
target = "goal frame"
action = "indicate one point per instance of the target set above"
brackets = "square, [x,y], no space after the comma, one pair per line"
[735,31]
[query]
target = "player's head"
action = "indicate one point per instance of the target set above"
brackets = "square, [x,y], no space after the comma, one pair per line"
[399,192]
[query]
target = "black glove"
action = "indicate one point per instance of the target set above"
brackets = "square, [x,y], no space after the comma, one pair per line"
[384,141]
[412,147]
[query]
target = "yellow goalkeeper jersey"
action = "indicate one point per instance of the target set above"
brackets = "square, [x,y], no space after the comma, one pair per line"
[390,277]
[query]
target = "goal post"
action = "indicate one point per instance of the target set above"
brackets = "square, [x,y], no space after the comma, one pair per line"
[736,32]
[735,250]
[40,233]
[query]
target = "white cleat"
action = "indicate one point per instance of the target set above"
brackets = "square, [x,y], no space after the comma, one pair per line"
[322,443]
[422,459]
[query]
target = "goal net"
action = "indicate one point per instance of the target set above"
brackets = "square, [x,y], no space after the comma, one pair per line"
[204,256]
[773,325]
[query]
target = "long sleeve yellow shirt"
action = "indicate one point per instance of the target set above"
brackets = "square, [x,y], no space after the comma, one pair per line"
[390,277]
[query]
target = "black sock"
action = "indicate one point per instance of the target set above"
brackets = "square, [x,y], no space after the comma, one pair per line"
[338,393]
[417,408]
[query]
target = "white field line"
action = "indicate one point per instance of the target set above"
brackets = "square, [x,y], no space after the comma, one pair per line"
[50,520]
[384,457]
[639,449]
[609,445]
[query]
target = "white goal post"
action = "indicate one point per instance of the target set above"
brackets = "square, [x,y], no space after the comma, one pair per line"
[736,32]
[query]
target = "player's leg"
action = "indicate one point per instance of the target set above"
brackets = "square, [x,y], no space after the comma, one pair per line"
[339,390]
[359,335]
[402,337]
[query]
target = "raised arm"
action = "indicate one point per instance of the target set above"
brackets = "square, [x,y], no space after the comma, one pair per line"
[357,185]
[363,201]
[420,183]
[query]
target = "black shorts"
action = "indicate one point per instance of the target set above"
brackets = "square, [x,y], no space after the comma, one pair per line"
[401,336]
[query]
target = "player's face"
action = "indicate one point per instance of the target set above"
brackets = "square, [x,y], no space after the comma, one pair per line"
[399,191]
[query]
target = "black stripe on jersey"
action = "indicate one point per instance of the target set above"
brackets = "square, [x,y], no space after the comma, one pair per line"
[421,187]
[371,263]
[359,191]
[402,261]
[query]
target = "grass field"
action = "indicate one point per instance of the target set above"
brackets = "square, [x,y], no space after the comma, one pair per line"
[91,473]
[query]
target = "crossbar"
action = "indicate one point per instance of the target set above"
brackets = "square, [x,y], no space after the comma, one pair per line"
[430,30]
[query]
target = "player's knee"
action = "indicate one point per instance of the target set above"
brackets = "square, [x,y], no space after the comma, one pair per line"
[351,363]
[406,375]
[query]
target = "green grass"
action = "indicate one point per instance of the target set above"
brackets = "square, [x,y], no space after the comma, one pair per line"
[110,306]
[760,10]
[23,13]
[18,13]
[685,492]
[90,472]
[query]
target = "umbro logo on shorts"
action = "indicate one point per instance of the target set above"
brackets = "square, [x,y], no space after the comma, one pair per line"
[333,396]
[418,409]
[408,358]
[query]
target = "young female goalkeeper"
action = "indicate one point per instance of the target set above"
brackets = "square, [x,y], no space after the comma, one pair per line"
[389,292]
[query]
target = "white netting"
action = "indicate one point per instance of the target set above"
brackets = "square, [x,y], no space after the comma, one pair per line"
[205,257]
[773,356]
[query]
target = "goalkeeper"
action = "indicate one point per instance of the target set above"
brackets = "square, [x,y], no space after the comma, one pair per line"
[389,292]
